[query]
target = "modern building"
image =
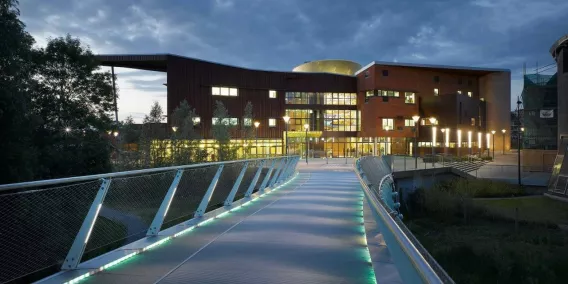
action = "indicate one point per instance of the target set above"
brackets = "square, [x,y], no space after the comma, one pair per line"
[349,110]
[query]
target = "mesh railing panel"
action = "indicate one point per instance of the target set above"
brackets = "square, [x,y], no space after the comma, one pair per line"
[247,178]
[225,184]
[39,226]
[190,191]
[128,210]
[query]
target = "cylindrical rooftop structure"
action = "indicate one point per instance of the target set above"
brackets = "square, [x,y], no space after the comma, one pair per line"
[343,67]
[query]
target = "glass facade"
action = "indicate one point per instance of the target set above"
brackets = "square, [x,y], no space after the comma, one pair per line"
[340,120]
[298,117]
[310,98]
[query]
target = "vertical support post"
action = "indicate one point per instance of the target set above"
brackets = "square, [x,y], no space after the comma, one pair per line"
[267,177]
[205,201]
[255,179]
[233,192]
[78,247]
[114,95]
[156,225]
[284,175]
[285,166]
[278,170]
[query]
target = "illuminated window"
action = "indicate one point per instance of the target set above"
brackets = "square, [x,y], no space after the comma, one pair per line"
[298,117]
[223,91]
[436,92]
[340,120]
[225,121]
[388,123]
[272,94]
[482,99]
[247,121]
[459,92]
[308,98]
[196,120]
[472,121]
[409,97]
[409,122]
[370,93]
[272,122]
[387,93]
[469,94]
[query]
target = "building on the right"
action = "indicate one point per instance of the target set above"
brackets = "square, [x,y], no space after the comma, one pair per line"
[559,52]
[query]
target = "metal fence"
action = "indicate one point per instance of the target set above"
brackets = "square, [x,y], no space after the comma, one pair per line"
[56,224]
[414,263]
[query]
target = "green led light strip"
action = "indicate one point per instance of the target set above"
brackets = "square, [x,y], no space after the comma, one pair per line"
[164,240]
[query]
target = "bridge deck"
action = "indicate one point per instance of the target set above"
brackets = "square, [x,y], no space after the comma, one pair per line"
[310,231]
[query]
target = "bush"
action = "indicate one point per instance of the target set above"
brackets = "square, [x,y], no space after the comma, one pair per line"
[487,158]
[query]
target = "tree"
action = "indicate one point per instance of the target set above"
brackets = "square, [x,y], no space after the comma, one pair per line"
[185,143]
[221,131]
[248,129]
[16,79]
[73,101]
[153,148]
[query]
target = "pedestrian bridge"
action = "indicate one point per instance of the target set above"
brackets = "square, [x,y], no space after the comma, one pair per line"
[275,220]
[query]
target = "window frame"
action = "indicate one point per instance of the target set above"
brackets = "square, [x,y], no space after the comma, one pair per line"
[272,122]
[408,94]
[272,94]
[389,124]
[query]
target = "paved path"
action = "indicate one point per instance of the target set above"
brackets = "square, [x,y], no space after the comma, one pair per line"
[310,231]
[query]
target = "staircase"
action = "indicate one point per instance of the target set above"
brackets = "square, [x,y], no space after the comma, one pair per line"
[466,166]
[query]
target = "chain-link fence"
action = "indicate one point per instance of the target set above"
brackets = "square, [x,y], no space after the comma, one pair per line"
[41,220]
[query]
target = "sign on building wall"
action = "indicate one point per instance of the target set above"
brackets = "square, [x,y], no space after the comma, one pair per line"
[546,113]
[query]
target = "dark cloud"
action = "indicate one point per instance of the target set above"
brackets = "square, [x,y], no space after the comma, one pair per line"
[278,35]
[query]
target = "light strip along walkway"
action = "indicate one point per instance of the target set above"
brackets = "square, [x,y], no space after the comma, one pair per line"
[310,231]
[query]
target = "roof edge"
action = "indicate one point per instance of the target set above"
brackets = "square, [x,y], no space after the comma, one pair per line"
[431,66]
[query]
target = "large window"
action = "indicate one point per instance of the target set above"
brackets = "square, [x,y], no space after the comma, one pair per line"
[225,121]
[340,99]
[370,93]
[388,123]
[387,93]
[298,117]
[340,120]
[272,94]
[409,97]
[224,91]
[409,122]
[308,98]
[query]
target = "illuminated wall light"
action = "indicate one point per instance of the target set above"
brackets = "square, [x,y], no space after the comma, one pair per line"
[459,138]
[433,136]
[469,139]
[487,138]
[447,137]
[93,224]
[479,140]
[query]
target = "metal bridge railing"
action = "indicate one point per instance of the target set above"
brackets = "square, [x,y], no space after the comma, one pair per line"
[414,263]
[56,224]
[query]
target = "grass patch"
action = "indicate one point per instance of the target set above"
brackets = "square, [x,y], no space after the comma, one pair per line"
[482,241]
[533,209]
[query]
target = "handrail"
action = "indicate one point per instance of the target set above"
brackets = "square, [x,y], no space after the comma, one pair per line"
[421,265]
[27,184]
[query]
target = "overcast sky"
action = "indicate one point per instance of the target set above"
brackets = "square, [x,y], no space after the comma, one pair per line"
[280,34]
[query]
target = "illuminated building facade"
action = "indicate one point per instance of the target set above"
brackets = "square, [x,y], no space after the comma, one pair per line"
[349,110]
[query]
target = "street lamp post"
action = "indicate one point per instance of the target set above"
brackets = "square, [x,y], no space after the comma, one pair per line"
[256,125]
[306,127]
[493,146]
[174,144]
[286,120]
[416,118]
[503,131]
[433,122]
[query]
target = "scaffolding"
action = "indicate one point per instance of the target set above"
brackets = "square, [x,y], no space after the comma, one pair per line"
[540,116]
